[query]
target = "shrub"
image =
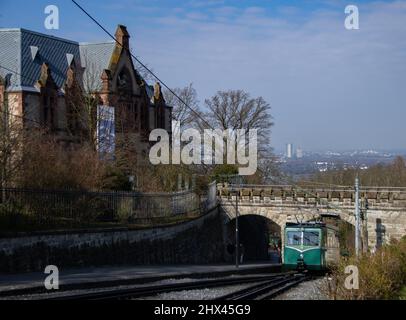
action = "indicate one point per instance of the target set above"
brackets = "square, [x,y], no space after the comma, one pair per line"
[47,164]
[382,275]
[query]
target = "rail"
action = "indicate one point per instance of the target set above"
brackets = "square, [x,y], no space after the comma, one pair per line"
[64,208]
[147,291]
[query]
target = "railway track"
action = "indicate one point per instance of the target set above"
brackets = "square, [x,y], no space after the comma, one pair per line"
[144,291]
[267,289]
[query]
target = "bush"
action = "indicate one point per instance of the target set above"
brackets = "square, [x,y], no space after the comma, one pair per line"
[47,164]
[125,210]
[11,216]
[382,275]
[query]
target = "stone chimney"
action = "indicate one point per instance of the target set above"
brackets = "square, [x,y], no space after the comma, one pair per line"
[122,36]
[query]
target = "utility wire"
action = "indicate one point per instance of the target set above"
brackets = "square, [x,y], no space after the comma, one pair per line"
[142,64]
[138,60]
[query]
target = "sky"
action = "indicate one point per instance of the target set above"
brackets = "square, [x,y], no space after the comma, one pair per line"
[329,88]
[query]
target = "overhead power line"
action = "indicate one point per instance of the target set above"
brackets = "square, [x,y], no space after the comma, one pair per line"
[142,64]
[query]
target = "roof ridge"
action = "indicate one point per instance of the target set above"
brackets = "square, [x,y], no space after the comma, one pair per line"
[44,35]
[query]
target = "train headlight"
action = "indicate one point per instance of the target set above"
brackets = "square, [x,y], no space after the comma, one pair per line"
[301,256]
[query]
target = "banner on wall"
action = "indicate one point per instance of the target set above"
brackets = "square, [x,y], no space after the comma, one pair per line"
[105,130]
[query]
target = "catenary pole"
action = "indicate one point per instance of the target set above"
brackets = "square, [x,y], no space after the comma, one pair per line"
[357,217]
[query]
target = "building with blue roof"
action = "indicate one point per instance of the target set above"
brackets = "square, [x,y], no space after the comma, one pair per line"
[46,81]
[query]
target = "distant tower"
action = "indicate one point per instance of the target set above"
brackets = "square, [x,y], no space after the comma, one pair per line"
[289,151]
[299,153]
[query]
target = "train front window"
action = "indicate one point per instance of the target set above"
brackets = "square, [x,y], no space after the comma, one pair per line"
[311,238]
[294,238]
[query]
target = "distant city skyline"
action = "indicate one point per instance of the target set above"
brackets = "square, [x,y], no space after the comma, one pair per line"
[319,150]
[329,88]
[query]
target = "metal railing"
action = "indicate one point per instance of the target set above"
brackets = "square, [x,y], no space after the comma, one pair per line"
[65,208]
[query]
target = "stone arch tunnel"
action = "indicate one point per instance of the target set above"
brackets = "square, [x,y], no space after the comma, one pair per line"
[259,237]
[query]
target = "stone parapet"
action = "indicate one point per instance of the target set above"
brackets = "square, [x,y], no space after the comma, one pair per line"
[376,197]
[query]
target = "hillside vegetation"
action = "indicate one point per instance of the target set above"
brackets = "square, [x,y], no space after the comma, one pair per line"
[392,175]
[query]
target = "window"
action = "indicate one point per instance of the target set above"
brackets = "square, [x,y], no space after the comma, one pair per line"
[311,238]
[294,238]
[49,103]
[124,83]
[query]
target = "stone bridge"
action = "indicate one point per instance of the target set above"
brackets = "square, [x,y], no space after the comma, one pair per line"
[384,209]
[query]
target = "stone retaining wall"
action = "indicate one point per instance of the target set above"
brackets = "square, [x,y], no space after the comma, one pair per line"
[199,241]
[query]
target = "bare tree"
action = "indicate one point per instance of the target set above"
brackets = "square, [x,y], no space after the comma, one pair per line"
[143,72]
[181,112]
[235,110]
[11,141]
[83,114]
[81,103]
[393,175]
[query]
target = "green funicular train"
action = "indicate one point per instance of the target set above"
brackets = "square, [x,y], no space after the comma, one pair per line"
[307,246]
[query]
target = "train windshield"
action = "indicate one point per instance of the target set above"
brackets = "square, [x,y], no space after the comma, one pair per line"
[311,238]
[294,238]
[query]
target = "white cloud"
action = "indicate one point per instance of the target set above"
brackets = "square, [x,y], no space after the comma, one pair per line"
[329,87]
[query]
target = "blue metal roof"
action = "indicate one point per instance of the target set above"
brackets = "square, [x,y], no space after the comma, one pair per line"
[15,48]
[18,46]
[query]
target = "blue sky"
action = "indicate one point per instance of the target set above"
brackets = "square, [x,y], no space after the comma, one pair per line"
[330,88]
